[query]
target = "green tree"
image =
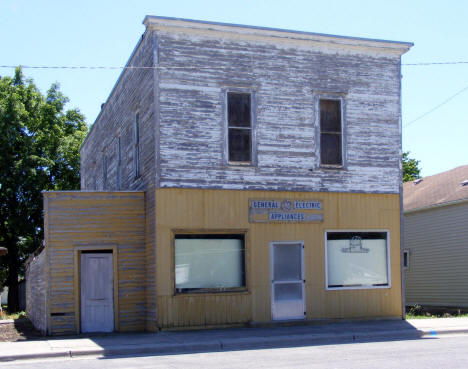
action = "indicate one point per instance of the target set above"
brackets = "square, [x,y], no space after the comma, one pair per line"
[39,150]
[411,170]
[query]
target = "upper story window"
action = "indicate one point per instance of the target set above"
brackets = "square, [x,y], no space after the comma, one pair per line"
[331,137]
[136,147]
[104,171]
[119,163]
[239,119]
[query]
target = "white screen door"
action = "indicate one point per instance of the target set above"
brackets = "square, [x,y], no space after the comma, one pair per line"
[287,280]
[97,292]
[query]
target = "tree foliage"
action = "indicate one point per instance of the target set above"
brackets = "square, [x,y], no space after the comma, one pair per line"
[39,150]
[411,170]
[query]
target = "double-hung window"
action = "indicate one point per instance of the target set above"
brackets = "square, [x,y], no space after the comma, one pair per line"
[239,122]
[331,149]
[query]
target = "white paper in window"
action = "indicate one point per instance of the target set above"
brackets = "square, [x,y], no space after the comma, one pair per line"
[357,268]
[209,263]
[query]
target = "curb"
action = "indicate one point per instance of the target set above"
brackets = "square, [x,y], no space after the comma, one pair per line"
[41,355]
[239,344]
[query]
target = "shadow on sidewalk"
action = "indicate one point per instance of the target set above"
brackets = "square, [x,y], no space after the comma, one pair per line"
[235,339]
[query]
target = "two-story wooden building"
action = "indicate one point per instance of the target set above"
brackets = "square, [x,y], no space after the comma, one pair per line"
[235,175]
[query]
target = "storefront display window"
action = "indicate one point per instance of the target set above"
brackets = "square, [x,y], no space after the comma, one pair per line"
[357,259]
[209,262]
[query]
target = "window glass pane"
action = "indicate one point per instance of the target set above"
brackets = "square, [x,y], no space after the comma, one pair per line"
[239,144]
[356,260]
[287,262]
[238,109]
[288,291]
[209,263]
[330,116]
[405,259]
[330,148]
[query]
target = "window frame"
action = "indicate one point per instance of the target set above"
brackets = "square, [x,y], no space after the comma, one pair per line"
[208,291]
[119,162]
[253,124]
[136,147]
[361,287]
[334,96]
[104,170]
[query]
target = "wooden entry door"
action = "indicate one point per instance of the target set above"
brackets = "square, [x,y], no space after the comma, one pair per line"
[97,292]
[287,281]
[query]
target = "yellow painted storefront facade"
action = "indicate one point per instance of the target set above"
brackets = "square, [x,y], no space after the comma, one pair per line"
[201,211]
[77,223]
[142,246]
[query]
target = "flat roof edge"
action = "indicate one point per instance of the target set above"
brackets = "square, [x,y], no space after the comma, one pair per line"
[268,31]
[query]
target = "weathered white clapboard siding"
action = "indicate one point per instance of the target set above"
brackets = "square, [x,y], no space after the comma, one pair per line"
[133,92]
[437,241]
[286,80]
[181,104]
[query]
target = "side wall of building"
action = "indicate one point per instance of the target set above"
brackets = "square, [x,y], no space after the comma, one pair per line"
[36,292]
[287,78]
[114,131]
[95,221]
[437,241]
[133,94]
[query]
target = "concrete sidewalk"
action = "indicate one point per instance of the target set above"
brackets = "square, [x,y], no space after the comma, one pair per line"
[172,342]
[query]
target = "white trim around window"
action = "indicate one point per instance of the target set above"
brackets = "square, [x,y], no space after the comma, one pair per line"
[337,281]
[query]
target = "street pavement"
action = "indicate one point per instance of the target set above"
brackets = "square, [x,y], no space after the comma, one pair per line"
[191,341]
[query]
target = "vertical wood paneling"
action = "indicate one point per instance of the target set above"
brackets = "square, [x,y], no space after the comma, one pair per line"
[217,210]
[150,258]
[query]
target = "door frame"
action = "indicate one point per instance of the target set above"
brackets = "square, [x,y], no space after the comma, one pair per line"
[77,251]
[272,292]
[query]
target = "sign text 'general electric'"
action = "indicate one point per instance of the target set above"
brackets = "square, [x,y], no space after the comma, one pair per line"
[285,210]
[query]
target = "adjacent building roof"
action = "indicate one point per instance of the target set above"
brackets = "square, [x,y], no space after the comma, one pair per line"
[439,189]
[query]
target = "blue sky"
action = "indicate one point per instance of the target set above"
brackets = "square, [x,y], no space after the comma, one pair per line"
[103,33]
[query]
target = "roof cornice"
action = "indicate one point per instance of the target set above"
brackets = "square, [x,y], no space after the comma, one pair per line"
[158,22]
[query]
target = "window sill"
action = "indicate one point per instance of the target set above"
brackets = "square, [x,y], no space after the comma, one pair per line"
[212,293]
[362,287]
[332,167]
[240,163]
